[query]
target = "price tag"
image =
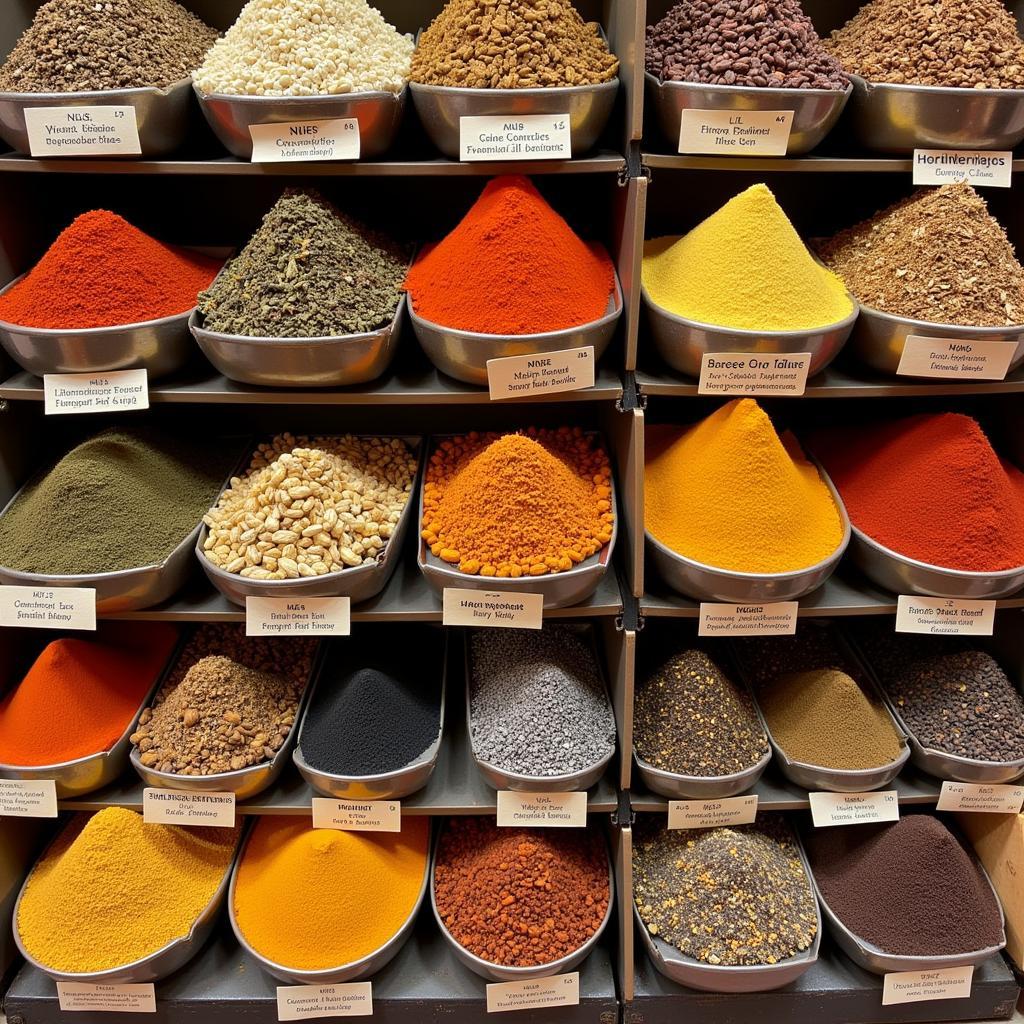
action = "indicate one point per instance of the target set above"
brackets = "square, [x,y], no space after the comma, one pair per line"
[735,132]
[289,616]
[733,810]
[515,137]
[741,373]
[561,990]
[980,167]
[295,141]
[966,796]
[357,815]
[169,807]
[549,373]
[21,798]
[854,808]
[48,607]
[82,131]
[955,360]
[778,619]
[117,391]
[504,609]
[924,986]
[77,995]
[543,810]
[945,615]
[302,1002]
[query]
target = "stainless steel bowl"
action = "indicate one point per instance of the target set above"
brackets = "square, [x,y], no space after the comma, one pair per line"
[464,354]
[902,118]
[815,111]
[379,115]
[161,114]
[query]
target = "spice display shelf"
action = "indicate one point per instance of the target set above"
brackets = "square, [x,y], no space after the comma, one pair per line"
[819,164]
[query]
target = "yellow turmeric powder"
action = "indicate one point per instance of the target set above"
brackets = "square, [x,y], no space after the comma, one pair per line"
[731,494]
[310,899]
[112,890]
[519,504]
[744,267]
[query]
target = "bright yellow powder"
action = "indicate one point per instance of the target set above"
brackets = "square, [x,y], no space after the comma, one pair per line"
[730,494]
[310,898]
[744,267]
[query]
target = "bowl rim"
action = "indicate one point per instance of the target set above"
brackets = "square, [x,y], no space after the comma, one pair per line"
[380,95]
[968,329]
[548,90]
[58,97]
[753,90]
[937,90]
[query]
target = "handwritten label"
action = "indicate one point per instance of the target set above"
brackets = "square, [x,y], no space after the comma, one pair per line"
[82,131]
[169,807]
[925,986]
[739,373]
[295,141]
[291,616]
[735,132]
[545,810]
[77,995]
[948,359]
[853,808]
[945,615]
[733,810]
[966,796]
[303,1002]
[561,990]
[505,609]
[24,798]
[991,168]
[357,815]
[778,619]
[48,607]
[549,373]
[515,137]
[117,391]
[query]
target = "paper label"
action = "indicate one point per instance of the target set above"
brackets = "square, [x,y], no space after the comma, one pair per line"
[549,373]
[778,619]
[295,141]
[169,807]
[505,609]
[733,810]
[853,808]
[741,373]
[945,615]
[82,131]
[561,990]
[924,986]
[77,995]
[291,616]
[301,1002]
[948,359]
[735,132]
[117,391]
[28,799]
[357,815]
[515,137]
[966,796]
[48,607]
[543,810]
[980,167]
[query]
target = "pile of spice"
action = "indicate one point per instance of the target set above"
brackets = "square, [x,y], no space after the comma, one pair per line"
[730,493]
[967,44]
[520,897]
[744,267]
[690,718]
[85,45]
[907,887]
[768,43]
[307,48]
[310,506]
[726,896]
[112,890]
[80,696]
[311,899]
[537,701]
[512,44]
[123,499]
[103,272]
[811,647]
[308,272]
[930,487]
[938,255]
[531,273]
[511,505]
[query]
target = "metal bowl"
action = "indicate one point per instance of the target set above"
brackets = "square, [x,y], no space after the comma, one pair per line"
[442,107]
[815,111]
[464,354]
[902,118]
[161,114]
[379,115]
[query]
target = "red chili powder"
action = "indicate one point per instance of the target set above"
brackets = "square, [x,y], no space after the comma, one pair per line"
[511,266]
[930,487]
[102,272]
